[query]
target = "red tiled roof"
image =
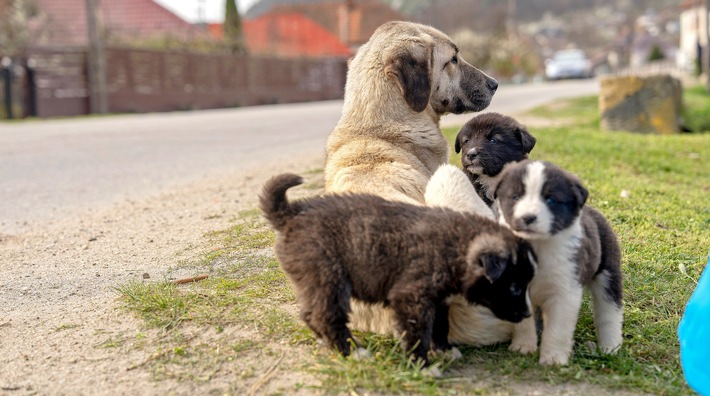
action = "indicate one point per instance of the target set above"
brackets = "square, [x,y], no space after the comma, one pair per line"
[363,17]
[287,34]
[64,22]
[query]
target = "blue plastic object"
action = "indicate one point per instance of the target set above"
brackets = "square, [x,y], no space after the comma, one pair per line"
[694,336]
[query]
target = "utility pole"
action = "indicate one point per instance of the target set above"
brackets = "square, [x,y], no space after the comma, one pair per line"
[511,26]
[97,62]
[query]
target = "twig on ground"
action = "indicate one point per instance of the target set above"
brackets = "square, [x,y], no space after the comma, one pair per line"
[266,377]
[188,280]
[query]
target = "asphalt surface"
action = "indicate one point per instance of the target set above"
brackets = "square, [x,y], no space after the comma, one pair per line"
[52,168]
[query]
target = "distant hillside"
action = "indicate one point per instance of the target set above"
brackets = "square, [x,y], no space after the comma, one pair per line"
[485,14]
[490,15]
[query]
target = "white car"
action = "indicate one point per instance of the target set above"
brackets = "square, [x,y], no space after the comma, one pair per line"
[571,63]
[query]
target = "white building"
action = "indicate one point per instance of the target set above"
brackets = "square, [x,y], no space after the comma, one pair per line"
[693,32]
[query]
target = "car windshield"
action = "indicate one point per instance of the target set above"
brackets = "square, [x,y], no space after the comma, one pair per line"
[569,55]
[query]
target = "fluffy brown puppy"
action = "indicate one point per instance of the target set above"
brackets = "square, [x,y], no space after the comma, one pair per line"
[388,140]
[409,257]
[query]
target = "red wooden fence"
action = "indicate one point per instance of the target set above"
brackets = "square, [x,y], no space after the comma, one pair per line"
[145,80]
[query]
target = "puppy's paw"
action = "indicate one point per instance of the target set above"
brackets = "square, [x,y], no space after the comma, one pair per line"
[453,354]
[450,354]
[610,349]
[524,347]
[593,349]
[360,354]
[432,371]
[553,358]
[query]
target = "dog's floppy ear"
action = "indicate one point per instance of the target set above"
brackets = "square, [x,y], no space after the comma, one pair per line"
[493,266]
[526,252]
[580,192]
[495,184]
[410,68]
[457,144]
[528,141]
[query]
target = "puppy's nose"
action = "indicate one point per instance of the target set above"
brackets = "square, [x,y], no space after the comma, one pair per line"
[529,219]
[492,84]
[472,154]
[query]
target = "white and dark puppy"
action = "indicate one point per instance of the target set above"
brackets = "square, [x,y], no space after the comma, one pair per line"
[487,143]
[575,247]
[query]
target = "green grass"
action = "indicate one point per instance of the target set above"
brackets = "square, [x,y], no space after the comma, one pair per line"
[582,111]
[663,227]
[664,231]
[696,111]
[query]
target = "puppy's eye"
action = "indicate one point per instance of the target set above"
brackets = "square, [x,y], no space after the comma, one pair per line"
[454,60]
[550,201]
[515,290]
[515,197]
[493,140]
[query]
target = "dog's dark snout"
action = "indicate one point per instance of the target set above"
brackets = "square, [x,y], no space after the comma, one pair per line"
[492,84]
[472,154]
[529,219]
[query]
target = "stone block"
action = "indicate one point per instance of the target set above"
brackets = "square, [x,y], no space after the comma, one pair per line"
[641,104]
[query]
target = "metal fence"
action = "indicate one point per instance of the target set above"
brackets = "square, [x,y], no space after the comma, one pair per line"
[145,80]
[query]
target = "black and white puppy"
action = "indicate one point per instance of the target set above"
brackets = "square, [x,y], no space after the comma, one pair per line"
[487,143]
[411,258]
[575,246]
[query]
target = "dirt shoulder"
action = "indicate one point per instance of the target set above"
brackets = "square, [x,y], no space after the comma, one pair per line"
[63,330]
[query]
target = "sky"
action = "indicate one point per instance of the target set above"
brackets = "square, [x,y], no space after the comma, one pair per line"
[213,10]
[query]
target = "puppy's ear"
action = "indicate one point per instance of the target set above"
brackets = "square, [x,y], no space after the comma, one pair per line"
[526,252]
[580,192]
[410,69]
[495,184]
[526,139]
[457,144]
[493,266]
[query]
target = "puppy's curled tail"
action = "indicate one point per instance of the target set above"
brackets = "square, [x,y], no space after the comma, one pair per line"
[273,199]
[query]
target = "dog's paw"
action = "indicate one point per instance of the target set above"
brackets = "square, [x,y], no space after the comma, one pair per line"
[610,349]
[448,354]
[360,354]
[553,358]
[432,371]
[592,348]
[453,354]
[526,348]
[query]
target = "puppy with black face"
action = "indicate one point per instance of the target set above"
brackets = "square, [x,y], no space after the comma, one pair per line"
[487,143]
[410,258]
[575,247]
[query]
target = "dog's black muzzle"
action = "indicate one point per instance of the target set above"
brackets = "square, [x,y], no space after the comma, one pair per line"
[470,157]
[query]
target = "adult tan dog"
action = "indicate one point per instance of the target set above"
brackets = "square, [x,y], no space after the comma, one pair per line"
[399,84]
[388,140]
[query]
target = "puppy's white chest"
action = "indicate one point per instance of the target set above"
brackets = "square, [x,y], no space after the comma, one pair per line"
[557,269]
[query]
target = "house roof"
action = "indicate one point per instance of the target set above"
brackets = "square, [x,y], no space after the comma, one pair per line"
[287,34]
[64,22]
[261,7]
[363,16]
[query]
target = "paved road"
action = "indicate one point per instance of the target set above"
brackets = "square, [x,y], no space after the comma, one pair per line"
[52,168]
